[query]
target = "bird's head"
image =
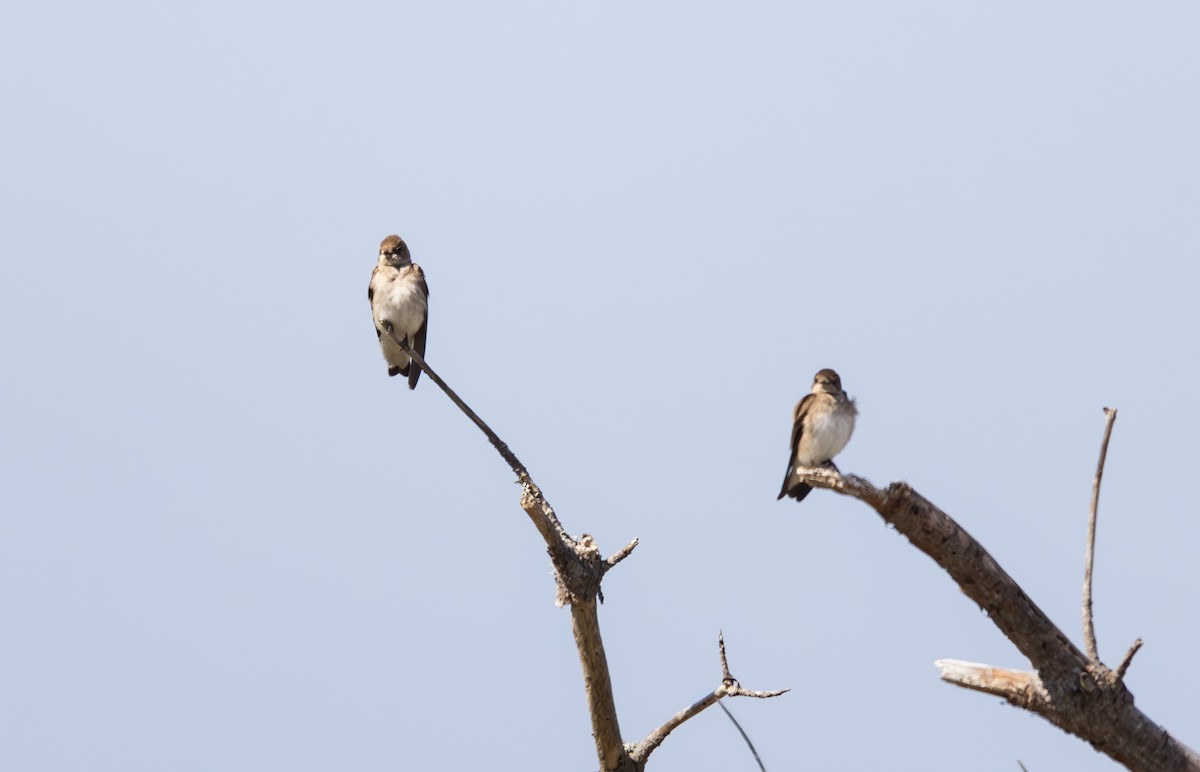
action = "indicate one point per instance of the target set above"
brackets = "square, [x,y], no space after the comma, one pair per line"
[394,252]
[827,381]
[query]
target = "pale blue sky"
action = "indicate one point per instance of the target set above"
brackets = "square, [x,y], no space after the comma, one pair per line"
[229,541]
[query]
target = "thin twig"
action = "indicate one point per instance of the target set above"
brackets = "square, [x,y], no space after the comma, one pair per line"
[742,732]
[729,688]
[625,552]
[724,662]
[533,502]
[732,687]
[514,462]
[642,750]
[1124,666]
[1022,766]
[1089,629]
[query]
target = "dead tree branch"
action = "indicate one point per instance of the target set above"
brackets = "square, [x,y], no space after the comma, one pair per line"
[1128,659]
[1089,628]
[1019,687]
[505,453]
[729,688]
[579,569]
[1065,687]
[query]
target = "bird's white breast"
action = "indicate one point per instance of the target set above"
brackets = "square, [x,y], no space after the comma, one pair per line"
[827,435]
[402,303]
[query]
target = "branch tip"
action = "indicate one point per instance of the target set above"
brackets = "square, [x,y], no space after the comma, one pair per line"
[1128,659]
[1089,627]
[729,688]
[617,557]
[725,676]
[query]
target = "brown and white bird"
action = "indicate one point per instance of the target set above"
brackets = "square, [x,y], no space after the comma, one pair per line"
[399,305]
[822,423]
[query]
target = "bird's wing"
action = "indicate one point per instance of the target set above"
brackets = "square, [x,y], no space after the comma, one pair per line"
[419,338]
[421,278]
[371,300]
[799,413]
[371,286]
[414,373]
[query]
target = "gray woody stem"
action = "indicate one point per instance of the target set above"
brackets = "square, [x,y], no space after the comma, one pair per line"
[579,568]
[1066,688]
[729,688]
[514,462]
[1089,628]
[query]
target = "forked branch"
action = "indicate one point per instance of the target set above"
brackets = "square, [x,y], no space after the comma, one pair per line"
[1079,697]
[580,569]
[729,688]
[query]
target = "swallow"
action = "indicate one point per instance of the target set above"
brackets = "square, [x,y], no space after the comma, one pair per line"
[399,300]
[822,423]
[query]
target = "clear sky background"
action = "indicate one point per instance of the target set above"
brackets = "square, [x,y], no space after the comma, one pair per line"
[228,541]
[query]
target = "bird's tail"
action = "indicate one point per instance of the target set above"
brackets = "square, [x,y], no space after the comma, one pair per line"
[800,490]
[414,373]
[797,492]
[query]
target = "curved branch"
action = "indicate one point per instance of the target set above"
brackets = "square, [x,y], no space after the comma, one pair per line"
[1085,700]
[729,688]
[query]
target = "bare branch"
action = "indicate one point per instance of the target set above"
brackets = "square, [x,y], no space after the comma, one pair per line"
[641,751]
[737,691]
[729,688]
[968,563]
[585,624]
[498,443]
[625,552]
[1128,659]
[579,569]
[1084,699]
[732,687]
[725,676]
[558,541]
[984,678]
[1089,629]
[1022,688]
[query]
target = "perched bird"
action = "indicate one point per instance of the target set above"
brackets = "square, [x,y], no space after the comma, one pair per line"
[821,426]
[399,305]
